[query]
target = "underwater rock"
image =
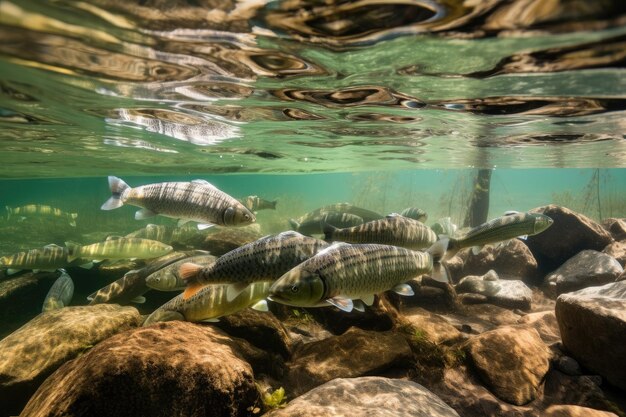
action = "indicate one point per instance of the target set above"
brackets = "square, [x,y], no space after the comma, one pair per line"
[37,349]
[173,368]
[567,365]
[355,353]
[367,396]
[261,329]
[617,228]
[588,268]
[583,390]
[546,325]
[570,233]
[592,322]
[432,327]
[226,239]
[480,318]
[511,361]
[504,293]
[575,411]
[512,261]
[380,316]
[618,251]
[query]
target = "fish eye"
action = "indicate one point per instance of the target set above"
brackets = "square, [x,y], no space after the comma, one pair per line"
[246,216]
[295,288]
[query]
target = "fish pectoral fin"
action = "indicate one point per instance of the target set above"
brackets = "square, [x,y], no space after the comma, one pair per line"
[358,305]
[88,265]
[342,303]
[144,214]
[368,299]
[138,300]
[233,290]
[188,271]
[404,289]
[191,290]
[260,306]
[213,320]
[523,237]
[90,297]
[476,250]
[204,226]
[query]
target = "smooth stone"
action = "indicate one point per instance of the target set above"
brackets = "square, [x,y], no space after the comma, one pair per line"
[513,294]
[546,325]
[568,366]
[617,228]
[37,349]
[617,250]
[588,268]
[355,353]
[575,411]
[570,233]
[512,361]
[512,260]
[433,327]
[367,397]
[168,369]
[592,322]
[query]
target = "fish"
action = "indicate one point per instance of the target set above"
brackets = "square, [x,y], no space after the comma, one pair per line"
[168,278]
[49,258]
[316,224]
[41,210]
[365,214]
[210,303]
[444,226]
[118,248]
[158,232]
[132,286]
[393,230]
[60,294]
[344,272]
[256,203]
[264,259]
[500,229]
[415,214]
[197,201]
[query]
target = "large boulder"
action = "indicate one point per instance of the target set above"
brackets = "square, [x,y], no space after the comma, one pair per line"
[169,369]
[37,349]
[367,396]
[618,251]
[545,323]
[570,233]
[575,411]
[588,268]
[430,326]
[355,353]
[617,228]
[512,261]
[512,361]
[593,328]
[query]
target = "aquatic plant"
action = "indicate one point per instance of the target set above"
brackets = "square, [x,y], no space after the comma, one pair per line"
[274,400]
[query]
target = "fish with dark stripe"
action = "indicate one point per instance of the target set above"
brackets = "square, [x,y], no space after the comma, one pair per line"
[60,294]
[197,201]
[415,214]
[118,248]
[48,258]
[316,224]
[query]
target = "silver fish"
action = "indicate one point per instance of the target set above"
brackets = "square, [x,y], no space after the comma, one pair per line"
[504,228]
[197,200]
[60,294]
[210,303]
[132,286]
[168,278]
[256,203]
[316,225]
[344,272]
[158,232]
[43,211]
[393,230]
[415,214]
[365,214]
[118,248]
[48,258]
[264,259]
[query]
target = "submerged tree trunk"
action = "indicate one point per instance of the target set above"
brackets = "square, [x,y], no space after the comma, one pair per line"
[478,209]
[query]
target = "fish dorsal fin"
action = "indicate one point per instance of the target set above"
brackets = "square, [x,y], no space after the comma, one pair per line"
[392,215]
[289,233]
[359,306]
[113,237]
[403,289]
[368,299]
[144,214]
[510,212]
[342,303]
[260,306]
[334,246]
[233,290]
[523,237]
[188,271]
[203,182]
[52,246]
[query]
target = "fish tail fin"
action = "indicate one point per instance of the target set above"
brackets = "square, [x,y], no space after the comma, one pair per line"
[440,272]
[189,272]
[329,231]
[439,249]
[73,251]
[294,224]
[117,186]
[273,204]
